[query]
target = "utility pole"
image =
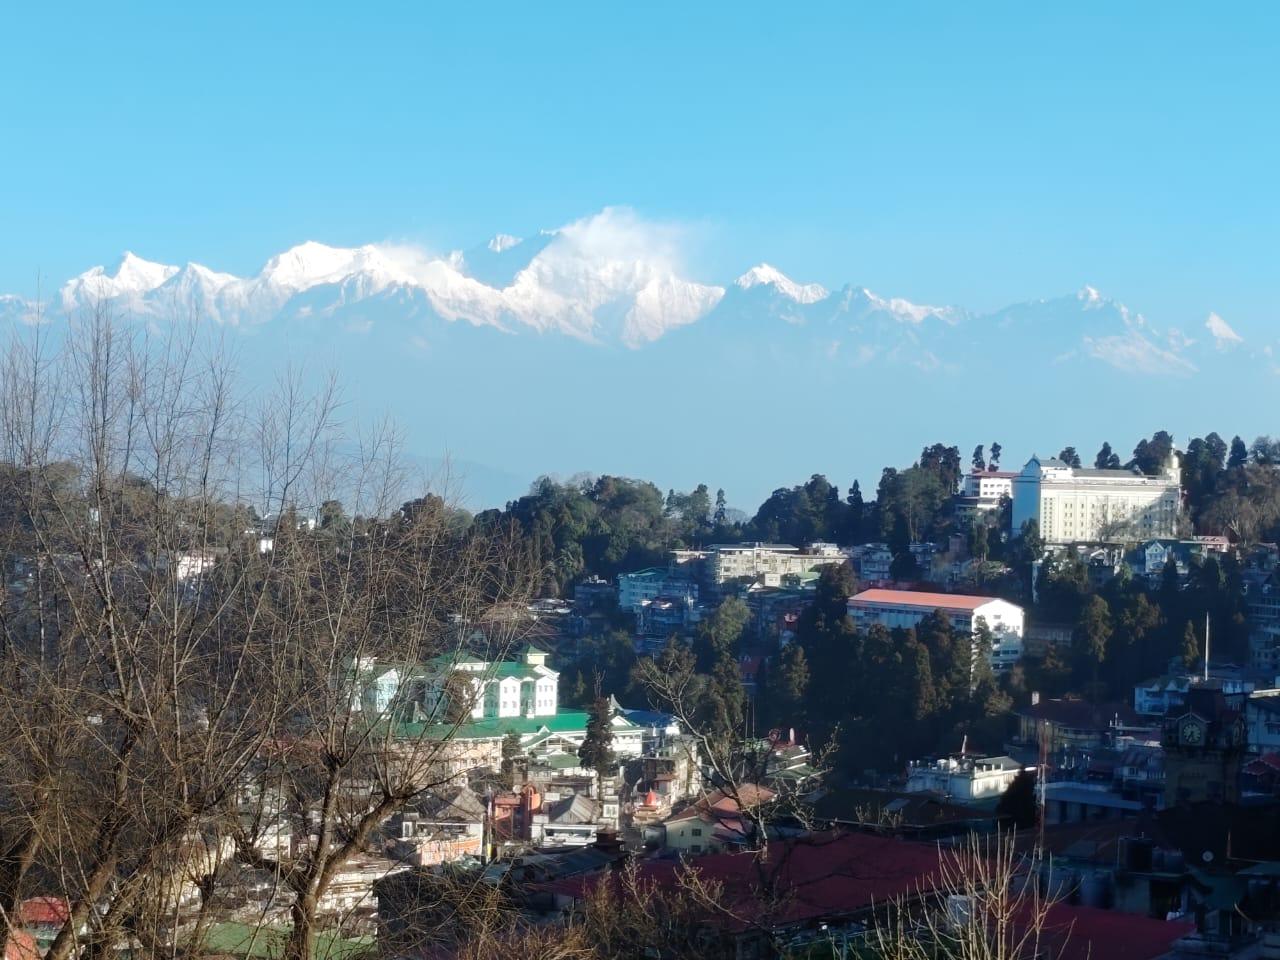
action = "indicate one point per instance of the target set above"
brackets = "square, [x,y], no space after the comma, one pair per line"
[1041,777]
[1206,646]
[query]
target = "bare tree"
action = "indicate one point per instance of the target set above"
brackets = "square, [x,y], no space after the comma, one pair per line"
[126,721]
[982,905]
[185,686]
[738,765]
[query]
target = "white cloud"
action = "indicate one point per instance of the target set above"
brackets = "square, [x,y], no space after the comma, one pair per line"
[619,233]
[615,270]
[1223,335]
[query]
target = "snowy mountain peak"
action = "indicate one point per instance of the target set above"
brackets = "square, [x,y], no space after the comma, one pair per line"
[503,241]
[313,264]
[132,277]
[614,279]
[306,264]
[765,275]
[863,301]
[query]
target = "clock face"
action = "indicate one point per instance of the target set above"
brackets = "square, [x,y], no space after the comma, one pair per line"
[1191,733]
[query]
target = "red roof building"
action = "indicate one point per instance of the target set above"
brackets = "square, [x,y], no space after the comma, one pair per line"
[840,878]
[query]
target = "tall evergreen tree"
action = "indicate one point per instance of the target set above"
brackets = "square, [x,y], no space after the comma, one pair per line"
[979,651]
[596,751]
[511,751]
[948,656]
[854,515]
[791,685]
[721,633]
[1190,646]
[993,462]
[1093,631]
[1217,448]
[1069,456]
[725,701]
[1239,454]
[979,461]
[1107,459]
[722,509]
[697,508]
[1150,456]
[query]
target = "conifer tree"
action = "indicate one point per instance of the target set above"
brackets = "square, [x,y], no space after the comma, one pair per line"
[1190,646]
[1107,459]
[1093,630]
[792,685]
[596,752]
[1239,454]
[725,700]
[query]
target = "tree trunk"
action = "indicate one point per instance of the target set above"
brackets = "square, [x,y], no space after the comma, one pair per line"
[301,944]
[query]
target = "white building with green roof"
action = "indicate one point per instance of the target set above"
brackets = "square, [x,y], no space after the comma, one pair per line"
[524,688]
[518,696]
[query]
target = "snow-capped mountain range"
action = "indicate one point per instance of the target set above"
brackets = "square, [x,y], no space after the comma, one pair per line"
[594,347]
[610,280]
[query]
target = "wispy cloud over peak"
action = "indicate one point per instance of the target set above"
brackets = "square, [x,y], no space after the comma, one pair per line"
[1220,330]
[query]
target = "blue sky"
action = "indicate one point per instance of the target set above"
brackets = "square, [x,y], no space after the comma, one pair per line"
[956,153]
[949,152]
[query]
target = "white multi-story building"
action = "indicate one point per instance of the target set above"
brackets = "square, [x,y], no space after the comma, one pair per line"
[643,586]
[1075,505]
[906,608]
[1262,606]
[964,779]
[771,561]
[872,561]
[526,687]
[988,485]
[982,492]
[1157,696]
[1262,722]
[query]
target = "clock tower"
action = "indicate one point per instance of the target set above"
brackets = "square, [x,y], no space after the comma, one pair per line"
[1204,745]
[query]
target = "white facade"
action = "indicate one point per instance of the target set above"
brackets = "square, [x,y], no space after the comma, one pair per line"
[1262,722]
[906,608]
[522,688]
[642,586]
[1074,505]
[1155,697]
[873,561]
[963,779]
[988,484]
[770,560]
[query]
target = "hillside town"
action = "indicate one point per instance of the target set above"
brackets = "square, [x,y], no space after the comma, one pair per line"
[662,481]
[509,753]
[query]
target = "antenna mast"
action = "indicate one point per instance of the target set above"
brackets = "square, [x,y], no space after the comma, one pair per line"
[1041,776]
[1206,646]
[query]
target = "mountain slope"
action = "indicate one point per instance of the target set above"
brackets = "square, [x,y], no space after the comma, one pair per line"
[611,280]
[592,347]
